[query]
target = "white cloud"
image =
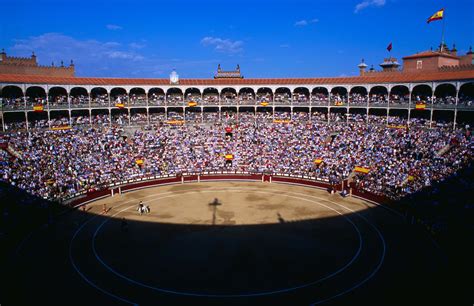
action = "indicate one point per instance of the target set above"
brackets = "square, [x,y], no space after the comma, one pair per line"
[366,3]
[88,54]
[304,22]
[223,45]
[135,45]
[106,58]
[124,55]
[113,27]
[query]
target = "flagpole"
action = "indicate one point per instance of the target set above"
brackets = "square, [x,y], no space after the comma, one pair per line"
[442,33]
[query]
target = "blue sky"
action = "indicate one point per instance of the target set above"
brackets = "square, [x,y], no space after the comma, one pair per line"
[298,38]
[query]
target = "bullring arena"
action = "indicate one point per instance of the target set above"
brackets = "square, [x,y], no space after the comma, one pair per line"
[279,243]
[294,191]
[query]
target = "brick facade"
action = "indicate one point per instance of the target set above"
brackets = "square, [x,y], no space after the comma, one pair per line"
[29,66]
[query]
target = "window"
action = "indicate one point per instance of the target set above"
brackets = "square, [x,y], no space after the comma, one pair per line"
[419,64]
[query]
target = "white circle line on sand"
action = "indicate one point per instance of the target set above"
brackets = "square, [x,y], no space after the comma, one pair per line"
[82,275]
[229,295]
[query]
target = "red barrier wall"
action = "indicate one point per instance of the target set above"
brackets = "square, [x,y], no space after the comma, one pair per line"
[216,177]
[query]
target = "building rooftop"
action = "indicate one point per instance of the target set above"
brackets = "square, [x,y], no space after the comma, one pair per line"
[394,77]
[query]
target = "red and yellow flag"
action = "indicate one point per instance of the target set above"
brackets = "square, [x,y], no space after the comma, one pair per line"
[420,106]
[436,16]
[229,156]
[361,169]
[38,108]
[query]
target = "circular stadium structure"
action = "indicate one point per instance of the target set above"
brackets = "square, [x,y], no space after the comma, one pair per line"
[234,191]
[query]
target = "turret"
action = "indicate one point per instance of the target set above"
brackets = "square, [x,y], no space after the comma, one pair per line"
[362,66]
[390,64]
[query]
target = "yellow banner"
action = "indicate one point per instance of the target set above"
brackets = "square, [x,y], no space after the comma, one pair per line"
[175,122]
[281,121]
[139,162]
[264,103]
[318,161]
[396,126]
[229,156]
[192,103]
[58,128]
[120,105]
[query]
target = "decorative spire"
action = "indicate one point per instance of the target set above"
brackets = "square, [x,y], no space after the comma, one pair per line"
[52,64]
[72,63]
[62,63]
[470,50]
[3,51]
[362,64]
[33,54]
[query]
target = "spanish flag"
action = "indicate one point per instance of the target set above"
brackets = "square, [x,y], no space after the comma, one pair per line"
[420,106]
[119,105]
[139,162]
[362,170]
[192,103]
[229,156]
[264,103]
[38,108]
[436,16]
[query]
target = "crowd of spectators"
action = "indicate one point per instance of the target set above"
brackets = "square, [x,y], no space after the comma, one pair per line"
[57,163]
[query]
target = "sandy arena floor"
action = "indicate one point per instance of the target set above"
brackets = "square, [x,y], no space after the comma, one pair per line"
[237,204]
[262,244]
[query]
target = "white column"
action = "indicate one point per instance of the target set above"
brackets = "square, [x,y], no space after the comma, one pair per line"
[456,107]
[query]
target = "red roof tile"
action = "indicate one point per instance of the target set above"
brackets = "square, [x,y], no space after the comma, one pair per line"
[395,77]
[430,54]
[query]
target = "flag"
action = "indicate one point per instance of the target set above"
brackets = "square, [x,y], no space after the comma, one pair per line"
[389,47]
[362,170]
[436,16]
[38,108]
[192,103]
[420,106]
[229,156]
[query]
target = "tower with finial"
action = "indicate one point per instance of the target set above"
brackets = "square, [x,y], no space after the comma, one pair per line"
[174,77]
[362,67]
[454,51]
